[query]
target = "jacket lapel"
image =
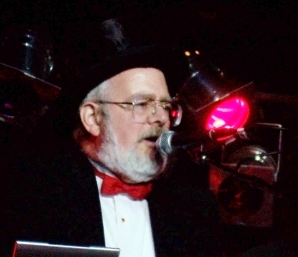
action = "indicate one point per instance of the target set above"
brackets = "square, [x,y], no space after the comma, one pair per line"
[87,200]
[74,214]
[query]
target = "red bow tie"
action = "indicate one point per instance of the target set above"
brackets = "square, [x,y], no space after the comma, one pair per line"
[113,186]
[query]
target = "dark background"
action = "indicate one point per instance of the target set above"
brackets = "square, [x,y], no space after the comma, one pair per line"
[254,40]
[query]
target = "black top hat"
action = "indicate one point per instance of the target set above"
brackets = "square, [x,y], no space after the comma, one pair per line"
[111,47]
[28,76]
[116,45]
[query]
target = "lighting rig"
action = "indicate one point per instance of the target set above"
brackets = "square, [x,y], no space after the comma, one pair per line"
[244,154]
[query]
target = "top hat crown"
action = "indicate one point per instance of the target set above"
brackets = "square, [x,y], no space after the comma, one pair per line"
[112,46]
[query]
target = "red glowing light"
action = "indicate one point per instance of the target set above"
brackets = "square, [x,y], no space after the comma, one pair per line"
[175,114]
[232,113]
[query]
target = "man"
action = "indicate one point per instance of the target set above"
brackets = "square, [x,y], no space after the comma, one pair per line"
[65,195]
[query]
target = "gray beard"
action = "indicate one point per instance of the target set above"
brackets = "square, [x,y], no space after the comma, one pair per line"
[130,165]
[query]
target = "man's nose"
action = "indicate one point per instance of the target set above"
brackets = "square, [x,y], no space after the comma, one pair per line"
[159,114]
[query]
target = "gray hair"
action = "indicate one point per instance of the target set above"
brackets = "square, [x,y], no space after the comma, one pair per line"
[99,92]
[96,93]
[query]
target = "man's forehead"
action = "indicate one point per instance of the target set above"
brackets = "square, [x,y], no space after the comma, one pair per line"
[136,80]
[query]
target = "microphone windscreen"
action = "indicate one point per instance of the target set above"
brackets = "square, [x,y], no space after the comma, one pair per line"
[163,143]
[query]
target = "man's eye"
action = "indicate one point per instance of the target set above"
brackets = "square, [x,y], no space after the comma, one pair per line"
[167,106]
[142,102]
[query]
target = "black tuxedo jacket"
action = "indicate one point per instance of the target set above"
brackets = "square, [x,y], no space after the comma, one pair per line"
[279,248]
[55,199]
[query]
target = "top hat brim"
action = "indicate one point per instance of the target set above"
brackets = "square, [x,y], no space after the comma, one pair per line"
[170,61]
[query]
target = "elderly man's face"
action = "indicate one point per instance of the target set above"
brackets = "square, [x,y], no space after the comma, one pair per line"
[128,137]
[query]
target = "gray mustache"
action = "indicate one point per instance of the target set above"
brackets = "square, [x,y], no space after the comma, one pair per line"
[155,132]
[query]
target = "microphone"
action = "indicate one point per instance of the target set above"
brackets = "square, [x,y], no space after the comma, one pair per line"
[169,140]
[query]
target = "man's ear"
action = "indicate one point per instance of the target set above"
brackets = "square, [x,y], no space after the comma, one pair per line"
[90,118]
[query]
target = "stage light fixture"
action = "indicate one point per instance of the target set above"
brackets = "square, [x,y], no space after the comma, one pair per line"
[28,76]
[213,101]
[245,195]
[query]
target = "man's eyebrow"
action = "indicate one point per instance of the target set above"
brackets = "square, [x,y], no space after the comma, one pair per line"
[142,95]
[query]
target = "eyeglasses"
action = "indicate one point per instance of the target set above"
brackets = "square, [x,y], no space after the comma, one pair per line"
[142,108]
